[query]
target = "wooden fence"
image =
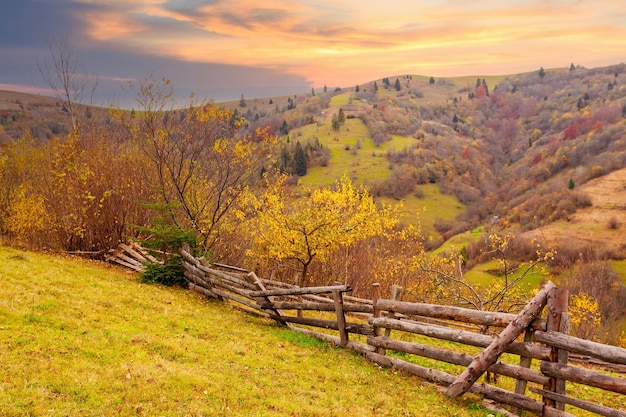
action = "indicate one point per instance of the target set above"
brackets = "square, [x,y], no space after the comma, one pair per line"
[385,331]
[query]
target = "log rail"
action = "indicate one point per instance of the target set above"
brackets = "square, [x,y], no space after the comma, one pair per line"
[386,331]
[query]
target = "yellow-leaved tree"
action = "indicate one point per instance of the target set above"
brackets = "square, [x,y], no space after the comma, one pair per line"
[198,164]
[585,315]
[294,232]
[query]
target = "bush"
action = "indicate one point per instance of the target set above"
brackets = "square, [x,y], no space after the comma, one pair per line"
[169,273]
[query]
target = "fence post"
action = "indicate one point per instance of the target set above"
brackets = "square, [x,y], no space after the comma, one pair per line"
[375,298]
[524,362]
[558,301]
[395,294]
[341,318]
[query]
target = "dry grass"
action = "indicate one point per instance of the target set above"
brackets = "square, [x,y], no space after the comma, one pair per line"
[592,225]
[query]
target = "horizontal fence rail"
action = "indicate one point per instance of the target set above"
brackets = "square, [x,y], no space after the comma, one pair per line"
[391,332]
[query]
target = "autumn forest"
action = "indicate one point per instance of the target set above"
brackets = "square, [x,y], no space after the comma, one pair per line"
[330,185]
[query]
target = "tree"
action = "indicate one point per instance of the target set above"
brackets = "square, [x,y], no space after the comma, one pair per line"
[66,79]
[242,102]
[375,86]
[397,85]
[432,80]
[312,92]
[357,88]
[341,117]
[572,67]
[199,163]
[311,227]
[585,315]
[570,185]
[299,159]
[542,72]
[503,294]
[335,122]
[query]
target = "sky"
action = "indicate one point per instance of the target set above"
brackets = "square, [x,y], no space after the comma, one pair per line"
[221,49]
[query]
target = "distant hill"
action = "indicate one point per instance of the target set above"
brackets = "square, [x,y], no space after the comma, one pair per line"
[527,149]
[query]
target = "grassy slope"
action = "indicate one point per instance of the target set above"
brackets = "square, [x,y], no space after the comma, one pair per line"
[81,338]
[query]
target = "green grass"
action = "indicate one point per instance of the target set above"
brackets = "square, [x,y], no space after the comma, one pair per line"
[620,268]
[428,209]
[483,274]
[84,338]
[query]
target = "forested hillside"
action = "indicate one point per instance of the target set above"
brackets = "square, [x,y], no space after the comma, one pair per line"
[327,185]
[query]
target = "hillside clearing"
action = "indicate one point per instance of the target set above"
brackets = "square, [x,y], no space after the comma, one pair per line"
[592,225]
[83,338]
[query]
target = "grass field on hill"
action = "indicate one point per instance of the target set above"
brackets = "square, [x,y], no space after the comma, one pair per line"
[85,338]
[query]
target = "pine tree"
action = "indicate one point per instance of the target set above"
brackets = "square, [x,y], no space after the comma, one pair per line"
[242,102]
[432,80]
[299,160]
[542,72]
[397,85]
[341,118]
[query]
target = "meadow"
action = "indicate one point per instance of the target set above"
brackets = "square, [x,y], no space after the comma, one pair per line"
[85,338]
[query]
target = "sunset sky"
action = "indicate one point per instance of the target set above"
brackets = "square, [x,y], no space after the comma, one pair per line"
[224,48]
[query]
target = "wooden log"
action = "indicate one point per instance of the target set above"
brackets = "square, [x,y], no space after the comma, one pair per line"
[378,331]
[611,354]
[395,296]
[134,267]
[443,378]
[341,318]
[583,405]
[326,324]
[448,356]
[237,299]
[491,354]
[558,301]
[524,362]
[233,268]
[465,315]
[305,305]
[202,290]
[144,252]
[300,291]
[132,252]
[584,376]
[460,336]
[260,299]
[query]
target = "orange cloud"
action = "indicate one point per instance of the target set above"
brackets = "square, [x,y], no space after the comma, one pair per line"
[347,42]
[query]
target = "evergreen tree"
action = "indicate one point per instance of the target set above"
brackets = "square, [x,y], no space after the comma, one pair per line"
[375,86]
[432,80]
[572,67]
[357,88]
[242,102]
[571,184]
[542,72]
[284,128]
[397,85]
[484,84]
[325,88]
[299,160]
[313,92]
[341,118]
[335,122]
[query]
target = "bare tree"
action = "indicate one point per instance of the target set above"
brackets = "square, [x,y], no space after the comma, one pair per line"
[63,75]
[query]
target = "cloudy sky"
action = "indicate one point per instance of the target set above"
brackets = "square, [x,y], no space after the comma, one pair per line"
[221,49]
